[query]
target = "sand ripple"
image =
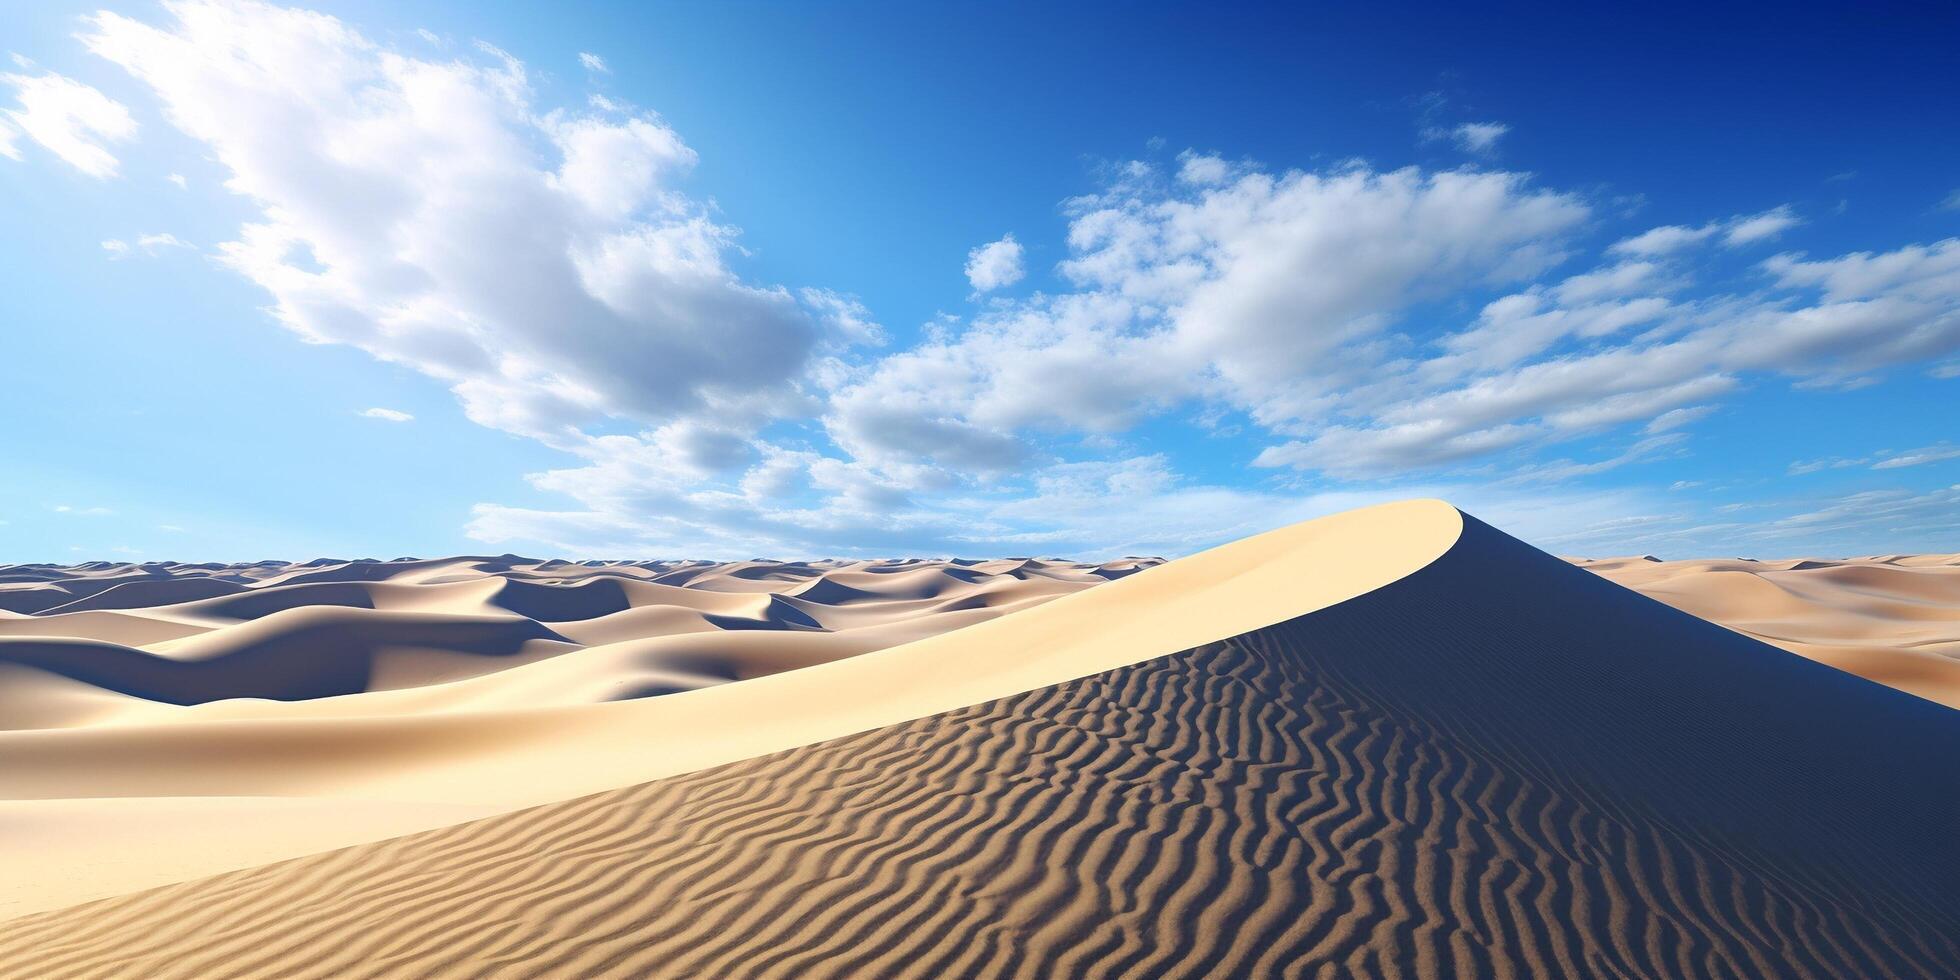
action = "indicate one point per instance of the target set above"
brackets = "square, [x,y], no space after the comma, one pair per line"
[1448,776]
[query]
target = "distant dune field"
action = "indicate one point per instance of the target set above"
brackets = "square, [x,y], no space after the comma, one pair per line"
[163,722]
[1390,742]
[1894,619]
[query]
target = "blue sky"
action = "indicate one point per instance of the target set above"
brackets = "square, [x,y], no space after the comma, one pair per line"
[725,280]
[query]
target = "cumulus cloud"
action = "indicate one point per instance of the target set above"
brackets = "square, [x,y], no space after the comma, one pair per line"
[69,119]
[387,415]
[1287,297]
[1392,330]
[593,63]
[995,264]
[540,261]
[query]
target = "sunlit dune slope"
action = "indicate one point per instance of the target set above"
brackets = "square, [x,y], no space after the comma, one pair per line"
[1396,742]
[258,712]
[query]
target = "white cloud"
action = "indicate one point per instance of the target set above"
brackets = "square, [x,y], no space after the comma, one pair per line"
[593,63]
[1919,457]
[539,261]
[1809,466]
[71,120]
[1677,418]
[1280,296]
[1203,169]
[995,264]
[1760,227]
[150,245]
[74,511]
[1346,323]
[1624,279]
[1665,240]
[178,179]
[1479,137]
[1735,232]
[388,415]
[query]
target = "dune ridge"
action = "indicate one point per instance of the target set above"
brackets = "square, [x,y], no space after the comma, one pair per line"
[188,635]
[1894,619]
[1491,763]
[247,717]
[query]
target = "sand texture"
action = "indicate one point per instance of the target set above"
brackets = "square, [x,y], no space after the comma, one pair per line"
[1452,755]
[162,722]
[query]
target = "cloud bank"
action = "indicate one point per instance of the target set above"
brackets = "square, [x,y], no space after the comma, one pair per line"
[1348,333]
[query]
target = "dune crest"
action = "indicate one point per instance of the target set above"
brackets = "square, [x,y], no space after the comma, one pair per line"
[203,717]
[1477,761]
[1894,619]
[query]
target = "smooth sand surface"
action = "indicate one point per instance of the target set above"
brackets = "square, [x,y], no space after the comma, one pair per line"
[1894,619]
[1391,743]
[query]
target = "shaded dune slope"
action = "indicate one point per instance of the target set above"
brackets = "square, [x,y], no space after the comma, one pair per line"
[291,655]
[1894,619]
[1497,765]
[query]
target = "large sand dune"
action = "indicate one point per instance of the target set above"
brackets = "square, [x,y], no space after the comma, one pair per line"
[161,722]
[1394,742]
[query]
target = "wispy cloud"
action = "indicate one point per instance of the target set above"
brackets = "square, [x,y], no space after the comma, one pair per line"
[1734,232]
[1919,457]
[148,244]
[1479,137]
[69,119]
[387,415]
[1808,466]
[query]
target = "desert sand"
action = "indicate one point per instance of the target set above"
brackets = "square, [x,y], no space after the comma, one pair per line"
[162,722]
[1894,619]
[1390,742]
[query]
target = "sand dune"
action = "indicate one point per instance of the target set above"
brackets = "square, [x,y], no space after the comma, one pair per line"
[1894,619]
[289,695]
[1395,742]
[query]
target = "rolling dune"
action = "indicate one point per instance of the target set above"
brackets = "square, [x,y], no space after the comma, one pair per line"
[1394,742]
[1894,619]
[246,715]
